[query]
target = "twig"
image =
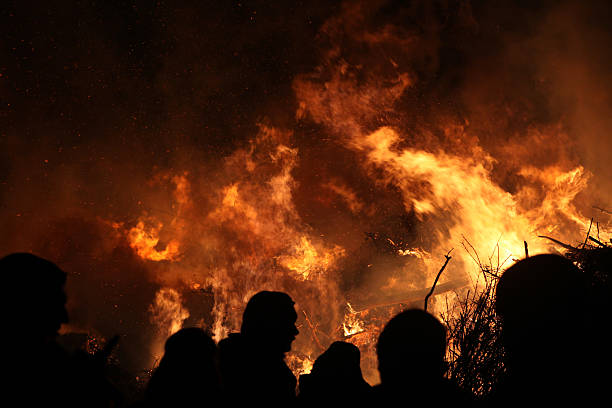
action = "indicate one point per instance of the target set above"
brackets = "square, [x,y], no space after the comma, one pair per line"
[498,265]
[494,248]
[588,233]
[476,258]
[407,297]
[602,210]
[433,287]
[598,242]
[502,264]
[314,330]
[566,246]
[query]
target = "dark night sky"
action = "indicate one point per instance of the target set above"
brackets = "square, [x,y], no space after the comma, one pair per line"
[200,72]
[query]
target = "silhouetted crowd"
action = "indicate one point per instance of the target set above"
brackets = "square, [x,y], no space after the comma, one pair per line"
[552,357]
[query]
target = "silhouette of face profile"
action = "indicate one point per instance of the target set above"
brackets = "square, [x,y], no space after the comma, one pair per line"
[411,348]
[269,319]
[34,303]
[541,303]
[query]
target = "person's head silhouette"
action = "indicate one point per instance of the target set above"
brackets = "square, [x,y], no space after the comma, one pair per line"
[340,362]
[541,303]
[411,348]
[190,346]
[269,320]
[34,301]
[335,378]
[187,372]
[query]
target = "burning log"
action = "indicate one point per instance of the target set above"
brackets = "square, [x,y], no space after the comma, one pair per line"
[566,246]
[598,242]
[407,297]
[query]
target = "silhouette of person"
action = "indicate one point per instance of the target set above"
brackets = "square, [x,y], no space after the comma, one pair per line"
[411,364]
[33,309]
[253,370]
[597,264]
[34,302]
[37,370]
[541,304]
[335,379]
[187,374]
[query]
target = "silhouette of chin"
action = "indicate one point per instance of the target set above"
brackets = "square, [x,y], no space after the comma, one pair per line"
[282,345]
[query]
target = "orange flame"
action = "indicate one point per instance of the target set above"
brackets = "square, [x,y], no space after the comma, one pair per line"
[145,239]
[352,324]
[168,313]
[306,261]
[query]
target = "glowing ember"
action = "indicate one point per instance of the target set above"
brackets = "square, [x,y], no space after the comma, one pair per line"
[352,324]
[299,365]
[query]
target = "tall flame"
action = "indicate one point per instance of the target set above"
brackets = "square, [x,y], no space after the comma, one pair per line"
[168,313]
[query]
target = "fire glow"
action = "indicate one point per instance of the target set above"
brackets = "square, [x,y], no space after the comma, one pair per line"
[347,197]
[279,251]
[257,238]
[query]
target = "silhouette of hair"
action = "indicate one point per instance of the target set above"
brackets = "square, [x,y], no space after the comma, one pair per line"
[187,373]
[335,377]
[411,346]
[340,360]
[269,319]
[537,297]
[35,300]
[189,343]
[35,272]
[540,284]
[265,309]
